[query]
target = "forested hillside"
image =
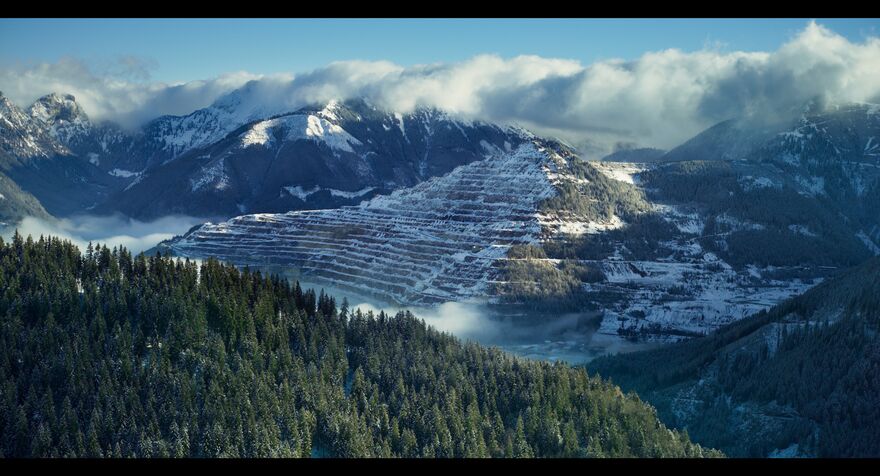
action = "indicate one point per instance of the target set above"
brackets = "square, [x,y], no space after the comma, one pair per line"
[802,378]
[104,354]
[765,225]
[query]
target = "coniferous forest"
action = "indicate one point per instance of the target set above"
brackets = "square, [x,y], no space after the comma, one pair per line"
[106,354]
[805,373]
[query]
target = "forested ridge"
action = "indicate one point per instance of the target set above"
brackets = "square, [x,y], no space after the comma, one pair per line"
[719,188]
[804,373]
[105,354]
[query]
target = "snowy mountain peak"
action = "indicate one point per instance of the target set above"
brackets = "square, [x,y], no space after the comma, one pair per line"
[299,126]
[58,109]
[178,134]
[63,117]
[329,111]
[248,103]
[22,136]
[339,146]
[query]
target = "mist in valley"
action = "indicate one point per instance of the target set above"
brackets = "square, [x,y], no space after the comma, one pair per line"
[110,230]
[573,337]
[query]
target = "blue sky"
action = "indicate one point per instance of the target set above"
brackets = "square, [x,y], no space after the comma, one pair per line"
[131,71]
[187,49]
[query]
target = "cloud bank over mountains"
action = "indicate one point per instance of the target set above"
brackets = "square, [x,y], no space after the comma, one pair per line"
[658,100]
[121,93]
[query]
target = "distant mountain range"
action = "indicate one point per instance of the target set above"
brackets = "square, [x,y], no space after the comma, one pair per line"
[228,159]
[338,154]
[667,244]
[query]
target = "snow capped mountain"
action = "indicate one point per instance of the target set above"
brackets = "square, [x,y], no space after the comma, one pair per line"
[832,153]
[176,135]
[752,224]
[238,155]
[32,155]
[818,144]
[62,115]
[104,146]
[23,138]
[316,157]
[316,127]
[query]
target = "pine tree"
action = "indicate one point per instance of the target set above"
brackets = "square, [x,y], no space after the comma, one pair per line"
[521,447]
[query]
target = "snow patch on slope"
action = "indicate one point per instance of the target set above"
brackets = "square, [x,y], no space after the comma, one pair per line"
[802,230]
[300,127]
[869,243]
[303,194]
[749,183]
[557,225]
[689,222]
[620,171]
[123,173]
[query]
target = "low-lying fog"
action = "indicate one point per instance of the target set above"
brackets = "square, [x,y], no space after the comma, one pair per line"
[112,230]
[571,337]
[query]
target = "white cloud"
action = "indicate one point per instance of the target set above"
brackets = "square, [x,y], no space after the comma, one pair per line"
[119,92]
[659,99]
